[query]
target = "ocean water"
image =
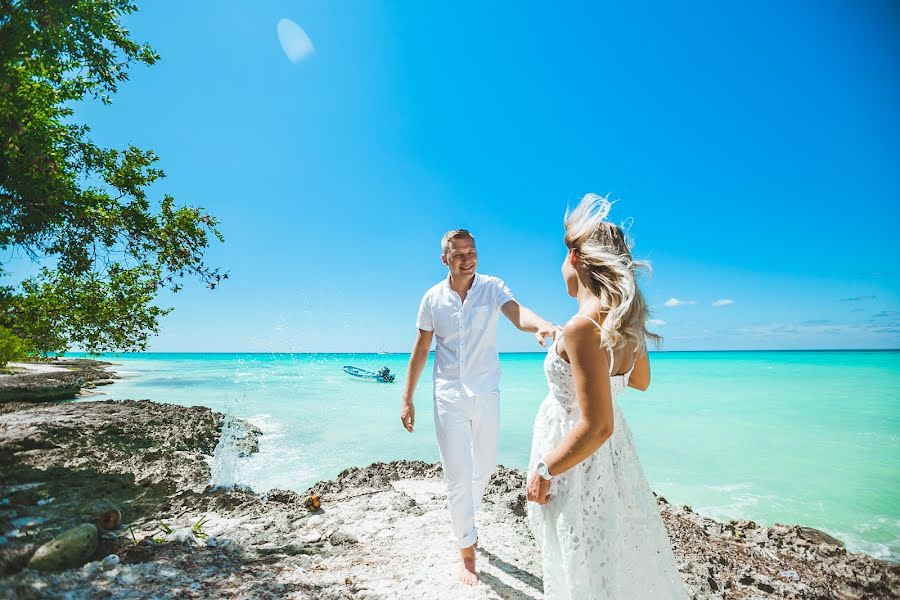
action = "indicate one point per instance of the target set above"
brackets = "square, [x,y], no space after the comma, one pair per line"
[794,437]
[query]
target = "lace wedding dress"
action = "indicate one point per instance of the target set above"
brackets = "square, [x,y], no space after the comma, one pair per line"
[601,534]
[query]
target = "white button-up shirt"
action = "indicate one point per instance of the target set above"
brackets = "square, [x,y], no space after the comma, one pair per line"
[466,358]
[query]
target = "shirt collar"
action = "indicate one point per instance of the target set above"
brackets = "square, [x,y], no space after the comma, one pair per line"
[475,279]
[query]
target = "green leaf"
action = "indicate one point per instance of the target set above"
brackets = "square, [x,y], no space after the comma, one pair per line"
[81,210]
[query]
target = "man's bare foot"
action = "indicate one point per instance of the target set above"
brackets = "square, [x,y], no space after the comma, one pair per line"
[467,574]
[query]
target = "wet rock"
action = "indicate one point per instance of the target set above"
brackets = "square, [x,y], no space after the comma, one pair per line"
[72,548]
[819,537]
[378,475]
[246,440]
[282,496]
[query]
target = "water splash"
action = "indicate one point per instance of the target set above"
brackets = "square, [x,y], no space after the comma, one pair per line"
[225,468]
[226,461]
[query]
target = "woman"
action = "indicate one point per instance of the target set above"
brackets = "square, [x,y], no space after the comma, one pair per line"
[592,511]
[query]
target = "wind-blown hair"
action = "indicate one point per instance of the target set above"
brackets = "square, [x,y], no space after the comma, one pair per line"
[605,254]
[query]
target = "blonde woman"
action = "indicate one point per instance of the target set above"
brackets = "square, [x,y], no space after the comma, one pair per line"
[591,509]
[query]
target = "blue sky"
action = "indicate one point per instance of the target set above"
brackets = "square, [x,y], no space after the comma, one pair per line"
[755,145]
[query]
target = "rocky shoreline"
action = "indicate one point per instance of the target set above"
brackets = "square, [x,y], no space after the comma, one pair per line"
[61,379]
[381,531]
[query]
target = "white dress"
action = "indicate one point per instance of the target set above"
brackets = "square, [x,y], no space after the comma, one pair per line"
[601,534]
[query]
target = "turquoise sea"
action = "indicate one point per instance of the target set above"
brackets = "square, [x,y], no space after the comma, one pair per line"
[793,437]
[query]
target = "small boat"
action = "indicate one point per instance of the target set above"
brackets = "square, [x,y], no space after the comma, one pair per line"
[382,376]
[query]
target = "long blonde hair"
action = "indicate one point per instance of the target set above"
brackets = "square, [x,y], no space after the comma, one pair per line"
[605,253]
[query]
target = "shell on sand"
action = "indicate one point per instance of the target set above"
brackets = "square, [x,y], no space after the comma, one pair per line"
[313,502]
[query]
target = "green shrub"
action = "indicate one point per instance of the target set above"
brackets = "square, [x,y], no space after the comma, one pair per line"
[11,347]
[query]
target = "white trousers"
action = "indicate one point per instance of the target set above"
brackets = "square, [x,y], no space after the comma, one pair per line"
[467,430]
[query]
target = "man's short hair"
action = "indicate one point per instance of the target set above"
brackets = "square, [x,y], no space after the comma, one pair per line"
[454,234]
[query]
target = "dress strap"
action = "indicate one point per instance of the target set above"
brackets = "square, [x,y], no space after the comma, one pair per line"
[589,319]
[612,358]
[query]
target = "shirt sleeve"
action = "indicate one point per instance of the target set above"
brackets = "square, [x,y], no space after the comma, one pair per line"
[502,293]
[424,320]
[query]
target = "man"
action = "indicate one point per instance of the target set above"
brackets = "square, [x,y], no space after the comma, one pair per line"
[461,314]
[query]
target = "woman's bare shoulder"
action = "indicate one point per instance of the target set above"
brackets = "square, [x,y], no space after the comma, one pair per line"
[581,323]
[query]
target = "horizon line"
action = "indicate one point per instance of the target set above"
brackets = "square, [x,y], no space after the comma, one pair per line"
[385,353]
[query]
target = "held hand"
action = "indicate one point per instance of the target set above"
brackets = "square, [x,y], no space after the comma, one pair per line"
[408,416]
[547,330]
[538,489]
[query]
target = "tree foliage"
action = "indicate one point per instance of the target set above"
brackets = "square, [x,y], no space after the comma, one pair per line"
[11,347]
[79,209]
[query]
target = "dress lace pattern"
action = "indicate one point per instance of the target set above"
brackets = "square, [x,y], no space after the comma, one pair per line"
[601,534]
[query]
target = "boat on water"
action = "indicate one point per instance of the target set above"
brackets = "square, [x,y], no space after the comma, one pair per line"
[383,375]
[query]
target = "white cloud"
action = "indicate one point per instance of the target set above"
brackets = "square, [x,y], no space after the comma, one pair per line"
[677,302]
[657,322]
[886,314]
[294,41]
[723,302]
[818,327]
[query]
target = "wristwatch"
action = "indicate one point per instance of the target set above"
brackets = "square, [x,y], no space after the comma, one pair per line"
[544,471]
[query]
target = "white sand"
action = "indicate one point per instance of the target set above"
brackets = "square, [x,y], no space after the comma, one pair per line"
[405,554]
[36,367]
[400,546]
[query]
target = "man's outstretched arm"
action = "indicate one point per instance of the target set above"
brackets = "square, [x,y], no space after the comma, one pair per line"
[526,319]
[417,361]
